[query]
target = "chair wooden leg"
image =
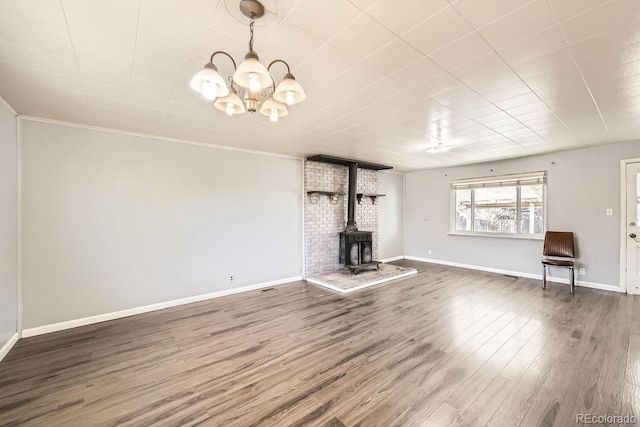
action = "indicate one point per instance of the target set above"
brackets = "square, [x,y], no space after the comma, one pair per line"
[572,280]
[544,277]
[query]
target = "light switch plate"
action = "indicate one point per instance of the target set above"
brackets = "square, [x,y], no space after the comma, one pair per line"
[609,212]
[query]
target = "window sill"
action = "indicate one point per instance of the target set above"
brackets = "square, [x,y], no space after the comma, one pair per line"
[501,235]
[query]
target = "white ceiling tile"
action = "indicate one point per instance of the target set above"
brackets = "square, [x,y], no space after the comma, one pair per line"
[188,109]
[481,111]
[545,64]
[159,23]
[362,37]
[190,97]
[32,38]
[393,56]
[103,76]
[520,100]
[347,83]
[291,44]
[104,91]
[48,93]
[217,41]
[524,22]
[546,41]
[106,103]
[610,15]
[10,72]
[619,44]
[481,13]
[510,91]
[418,72]
[627,69]
[486,74]
[324,65]
[363,4]
[149,101]
[103,58]
[163,53]
[565,9]
[441,29]
[492,117]
[7,54]
[179,119]
[44,61]
[323,19]
[93,22]
[158,73]
[465,50]
[149,87]
[140,110]
[526,108]
[197,10]
[45,78]
[42,15]
[400,18]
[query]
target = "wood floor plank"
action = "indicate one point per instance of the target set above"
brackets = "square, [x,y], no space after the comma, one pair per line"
[446,346]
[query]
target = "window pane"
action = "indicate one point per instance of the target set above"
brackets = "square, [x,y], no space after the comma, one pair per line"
[532,210]
[463,210]
[495,210]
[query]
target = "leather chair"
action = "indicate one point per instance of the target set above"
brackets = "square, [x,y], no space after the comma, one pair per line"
[558,251]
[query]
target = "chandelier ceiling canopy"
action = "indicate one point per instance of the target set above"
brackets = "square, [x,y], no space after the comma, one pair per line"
[252,82]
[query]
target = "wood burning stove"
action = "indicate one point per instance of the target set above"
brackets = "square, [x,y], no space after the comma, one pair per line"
[356,247]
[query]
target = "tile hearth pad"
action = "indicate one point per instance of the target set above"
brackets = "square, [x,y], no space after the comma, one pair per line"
[343,281]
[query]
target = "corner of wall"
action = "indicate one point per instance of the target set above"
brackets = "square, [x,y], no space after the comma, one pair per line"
[19,249]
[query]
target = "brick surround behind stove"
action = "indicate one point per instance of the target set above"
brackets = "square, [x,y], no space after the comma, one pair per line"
[325,215]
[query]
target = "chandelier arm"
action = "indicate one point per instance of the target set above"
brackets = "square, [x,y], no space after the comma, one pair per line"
[279,60]
[223,53]
[263,93]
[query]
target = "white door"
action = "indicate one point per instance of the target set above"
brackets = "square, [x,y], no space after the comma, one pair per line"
[633,228]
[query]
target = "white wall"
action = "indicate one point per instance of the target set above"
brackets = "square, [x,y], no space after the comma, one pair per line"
[8,226]
[581,185]
[113,222]
[390,215]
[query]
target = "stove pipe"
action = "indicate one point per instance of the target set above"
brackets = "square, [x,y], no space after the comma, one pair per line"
[351,201]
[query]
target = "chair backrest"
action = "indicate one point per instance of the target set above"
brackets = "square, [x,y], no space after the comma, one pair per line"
[559,243]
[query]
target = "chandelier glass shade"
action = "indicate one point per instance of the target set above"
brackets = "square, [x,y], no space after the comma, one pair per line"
[251,80]
[273,109]
[209,83]
[231,103]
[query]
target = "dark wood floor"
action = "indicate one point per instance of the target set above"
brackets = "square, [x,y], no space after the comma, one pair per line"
[444,347]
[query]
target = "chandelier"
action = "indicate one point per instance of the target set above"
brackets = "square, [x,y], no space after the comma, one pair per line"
[251,79]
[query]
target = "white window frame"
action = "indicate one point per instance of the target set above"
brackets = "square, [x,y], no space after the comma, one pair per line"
[514,180]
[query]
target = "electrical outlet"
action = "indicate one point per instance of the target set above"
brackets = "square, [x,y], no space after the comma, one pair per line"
[582,271]
[430,252]
[232,278]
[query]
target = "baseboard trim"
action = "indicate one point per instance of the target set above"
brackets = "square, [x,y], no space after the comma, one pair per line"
[357,288]
[61,326]
[395,258]
[8,346]
[553,279]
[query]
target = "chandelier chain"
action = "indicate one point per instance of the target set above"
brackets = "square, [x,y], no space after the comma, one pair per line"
[251,22]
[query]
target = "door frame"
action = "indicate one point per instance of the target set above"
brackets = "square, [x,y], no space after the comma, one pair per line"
[623,221]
